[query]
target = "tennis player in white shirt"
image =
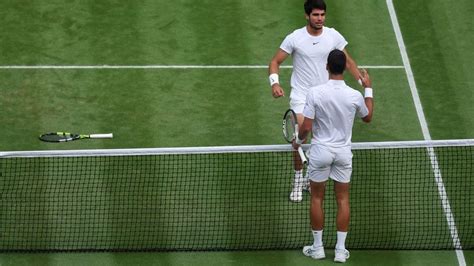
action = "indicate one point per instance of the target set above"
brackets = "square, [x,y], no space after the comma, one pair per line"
[309,47]
[329,114]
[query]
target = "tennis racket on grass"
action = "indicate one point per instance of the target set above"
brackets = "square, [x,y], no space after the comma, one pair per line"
[65,136]
[290,131]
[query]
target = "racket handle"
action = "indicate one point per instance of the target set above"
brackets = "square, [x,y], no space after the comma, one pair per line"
[101,136]
[302,155]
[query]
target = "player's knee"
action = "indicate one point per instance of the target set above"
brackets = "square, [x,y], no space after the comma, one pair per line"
[343,202]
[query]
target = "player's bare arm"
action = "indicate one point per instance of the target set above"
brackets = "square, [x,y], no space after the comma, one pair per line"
[274,70]
[369,102]
[351,66]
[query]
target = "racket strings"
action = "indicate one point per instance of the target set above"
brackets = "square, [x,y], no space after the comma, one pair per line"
[290,127]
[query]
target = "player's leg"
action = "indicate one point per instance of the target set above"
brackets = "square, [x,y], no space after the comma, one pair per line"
[342,220]
[316,250]
[305,181]
[316,207]
[341,173]
[296,194]
[343,207]
[319,168]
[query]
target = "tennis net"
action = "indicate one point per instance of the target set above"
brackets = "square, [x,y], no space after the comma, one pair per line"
[404,195]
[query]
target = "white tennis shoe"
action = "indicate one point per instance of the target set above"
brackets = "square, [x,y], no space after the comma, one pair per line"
[315,253]
[296,194]
[341,255]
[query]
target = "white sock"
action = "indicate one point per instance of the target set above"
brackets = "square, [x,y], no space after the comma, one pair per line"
[341,240]
[318,238]
[298,174]
[298,182]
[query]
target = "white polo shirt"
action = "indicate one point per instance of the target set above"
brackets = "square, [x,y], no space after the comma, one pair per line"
[310,55]
[333,107]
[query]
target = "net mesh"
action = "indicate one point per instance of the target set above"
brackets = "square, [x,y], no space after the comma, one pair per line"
[229,199]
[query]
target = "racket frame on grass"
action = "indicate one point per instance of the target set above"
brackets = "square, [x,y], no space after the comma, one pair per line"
[290,131]
[66,136]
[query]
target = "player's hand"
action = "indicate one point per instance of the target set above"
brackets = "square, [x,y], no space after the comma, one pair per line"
[277,91]
[365,79]
[295,146]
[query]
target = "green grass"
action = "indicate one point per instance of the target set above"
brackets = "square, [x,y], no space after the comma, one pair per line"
[143,32]
[228,107]
[169,108]
[251,258]
[438,47]
[207,107]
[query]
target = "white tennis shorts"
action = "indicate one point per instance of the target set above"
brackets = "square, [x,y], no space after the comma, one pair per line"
[297,105]
[325,162]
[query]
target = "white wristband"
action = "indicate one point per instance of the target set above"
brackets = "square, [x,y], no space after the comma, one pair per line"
[273,79]
[368,93]
[298,140]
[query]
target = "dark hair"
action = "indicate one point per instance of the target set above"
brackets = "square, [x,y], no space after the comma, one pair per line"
[336,62]
[309,5]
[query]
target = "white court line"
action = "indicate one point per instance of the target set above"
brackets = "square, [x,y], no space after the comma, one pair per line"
[165,67]
[426,134]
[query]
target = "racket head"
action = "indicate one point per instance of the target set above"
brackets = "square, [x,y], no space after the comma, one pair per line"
[59,137]
[289,125]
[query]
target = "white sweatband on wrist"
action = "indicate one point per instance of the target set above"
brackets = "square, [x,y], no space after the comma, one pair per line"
[273,79]
[368,93]
[299,141]
[360,82]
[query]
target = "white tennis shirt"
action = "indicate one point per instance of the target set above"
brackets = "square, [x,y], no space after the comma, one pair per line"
[310,55]
[333,107]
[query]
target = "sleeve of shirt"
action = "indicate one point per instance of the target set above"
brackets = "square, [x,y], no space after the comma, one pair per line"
[339,40]
[362,110]
[288,44]
[309,110]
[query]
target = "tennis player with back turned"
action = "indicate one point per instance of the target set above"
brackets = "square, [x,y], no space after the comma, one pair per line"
[329,113]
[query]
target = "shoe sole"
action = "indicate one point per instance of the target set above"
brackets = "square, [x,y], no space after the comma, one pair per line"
[296,201]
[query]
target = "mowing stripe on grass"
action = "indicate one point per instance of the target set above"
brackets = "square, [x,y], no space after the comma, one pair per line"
[426,134]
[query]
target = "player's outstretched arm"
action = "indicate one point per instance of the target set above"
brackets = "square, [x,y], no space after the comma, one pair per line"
[351,66]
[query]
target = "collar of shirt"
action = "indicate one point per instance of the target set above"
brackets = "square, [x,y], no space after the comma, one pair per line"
[335,82]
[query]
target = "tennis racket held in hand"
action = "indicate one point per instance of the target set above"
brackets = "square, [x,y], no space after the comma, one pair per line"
[66,136]
[290,131]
